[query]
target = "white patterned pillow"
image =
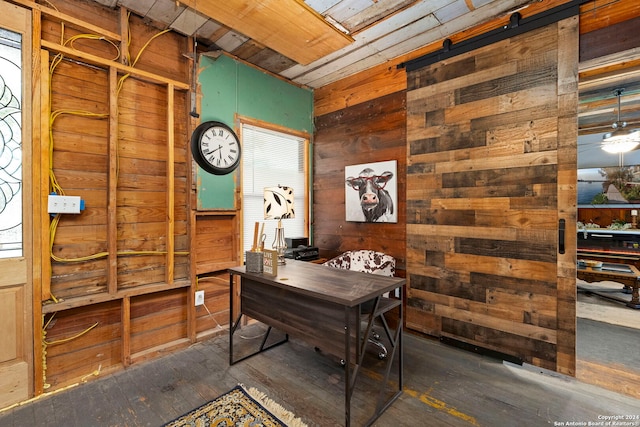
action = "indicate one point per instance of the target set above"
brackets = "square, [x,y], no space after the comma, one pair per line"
[366,261]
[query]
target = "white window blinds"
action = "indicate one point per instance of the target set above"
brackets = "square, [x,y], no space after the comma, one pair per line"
[270,159]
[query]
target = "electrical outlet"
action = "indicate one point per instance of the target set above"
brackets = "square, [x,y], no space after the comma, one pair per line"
[64,204]
[199,298]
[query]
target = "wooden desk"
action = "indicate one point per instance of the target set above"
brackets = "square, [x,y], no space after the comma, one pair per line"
[626,274]
[323,306]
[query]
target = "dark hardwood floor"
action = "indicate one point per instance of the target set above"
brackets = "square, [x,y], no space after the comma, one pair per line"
[443,386]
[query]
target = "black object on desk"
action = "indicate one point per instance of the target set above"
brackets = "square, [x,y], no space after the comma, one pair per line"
[294,242]
[302,253]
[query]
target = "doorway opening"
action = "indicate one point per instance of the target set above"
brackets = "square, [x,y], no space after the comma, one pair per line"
[608,320]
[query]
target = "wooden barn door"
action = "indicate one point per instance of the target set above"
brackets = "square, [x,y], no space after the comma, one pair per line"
[491,178]
[15,206]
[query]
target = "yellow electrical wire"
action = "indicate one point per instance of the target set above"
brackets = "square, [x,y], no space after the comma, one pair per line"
[46,325]
[71,40]
[51,5]
[44,350]
[128,59]
[126,76]
[44,360]
[71,338]
[52,231]
[55,186]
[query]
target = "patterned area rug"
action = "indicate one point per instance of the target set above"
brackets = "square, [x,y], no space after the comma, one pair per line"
[239,407]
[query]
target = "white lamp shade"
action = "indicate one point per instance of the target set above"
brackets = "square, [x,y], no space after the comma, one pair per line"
[278,203]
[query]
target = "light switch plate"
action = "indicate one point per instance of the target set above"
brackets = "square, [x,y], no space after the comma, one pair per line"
[64,204]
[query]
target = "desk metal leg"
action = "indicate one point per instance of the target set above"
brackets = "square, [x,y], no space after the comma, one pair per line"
[395,340]
[262,344]
[396,349]
[348,389]
[233,325]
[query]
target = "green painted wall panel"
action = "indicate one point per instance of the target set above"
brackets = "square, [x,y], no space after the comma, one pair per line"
[275,101]
[230,87]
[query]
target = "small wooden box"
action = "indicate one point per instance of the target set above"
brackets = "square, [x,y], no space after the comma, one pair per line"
[270,263]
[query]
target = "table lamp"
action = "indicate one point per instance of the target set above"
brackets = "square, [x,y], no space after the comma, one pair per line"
[278,204]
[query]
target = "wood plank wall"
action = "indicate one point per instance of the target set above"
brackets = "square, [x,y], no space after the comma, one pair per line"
[485,134]
[368,132]
[121,284]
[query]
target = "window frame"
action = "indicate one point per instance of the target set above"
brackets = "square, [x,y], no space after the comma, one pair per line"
[306,212]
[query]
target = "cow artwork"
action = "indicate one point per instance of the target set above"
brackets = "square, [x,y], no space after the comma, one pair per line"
[369,195]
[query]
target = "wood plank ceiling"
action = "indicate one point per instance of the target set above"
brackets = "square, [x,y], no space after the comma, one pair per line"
[317,42]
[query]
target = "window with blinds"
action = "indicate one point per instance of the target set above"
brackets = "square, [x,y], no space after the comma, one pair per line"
[269,159]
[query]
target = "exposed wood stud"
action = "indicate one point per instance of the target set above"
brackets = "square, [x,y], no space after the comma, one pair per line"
[170,188]
[112,185]
[42,281]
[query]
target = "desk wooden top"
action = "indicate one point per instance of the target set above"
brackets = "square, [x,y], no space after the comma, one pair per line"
[343,287]
[611,270]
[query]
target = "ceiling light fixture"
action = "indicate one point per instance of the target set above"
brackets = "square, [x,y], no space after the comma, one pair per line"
[620,140]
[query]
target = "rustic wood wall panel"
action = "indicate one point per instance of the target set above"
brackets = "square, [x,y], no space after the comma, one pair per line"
[121,144]
[485,132]
[616,37]
[154,58]
[216,242]
[81,342]
[79,100]
[157,319]
[369,132]
[598,14]
[216,249]
[214,318]
[142,155]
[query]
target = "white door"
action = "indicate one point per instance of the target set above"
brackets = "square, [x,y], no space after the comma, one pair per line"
[16,248]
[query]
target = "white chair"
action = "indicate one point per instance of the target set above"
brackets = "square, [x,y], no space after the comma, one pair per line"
[366,261]
[372,262]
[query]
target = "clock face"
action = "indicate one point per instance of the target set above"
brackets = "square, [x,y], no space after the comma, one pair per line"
[216,148]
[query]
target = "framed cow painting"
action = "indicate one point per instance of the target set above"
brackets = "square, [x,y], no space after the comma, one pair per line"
[371,192]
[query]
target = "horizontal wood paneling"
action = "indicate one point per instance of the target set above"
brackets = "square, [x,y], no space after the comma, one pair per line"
[368,132]
[598,14]
[213,316]
[157,319]
[74,350]
[216,243]
[483,182]
[616,37]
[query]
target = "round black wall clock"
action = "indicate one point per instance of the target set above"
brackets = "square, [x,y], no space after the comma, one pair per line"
[216,148]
